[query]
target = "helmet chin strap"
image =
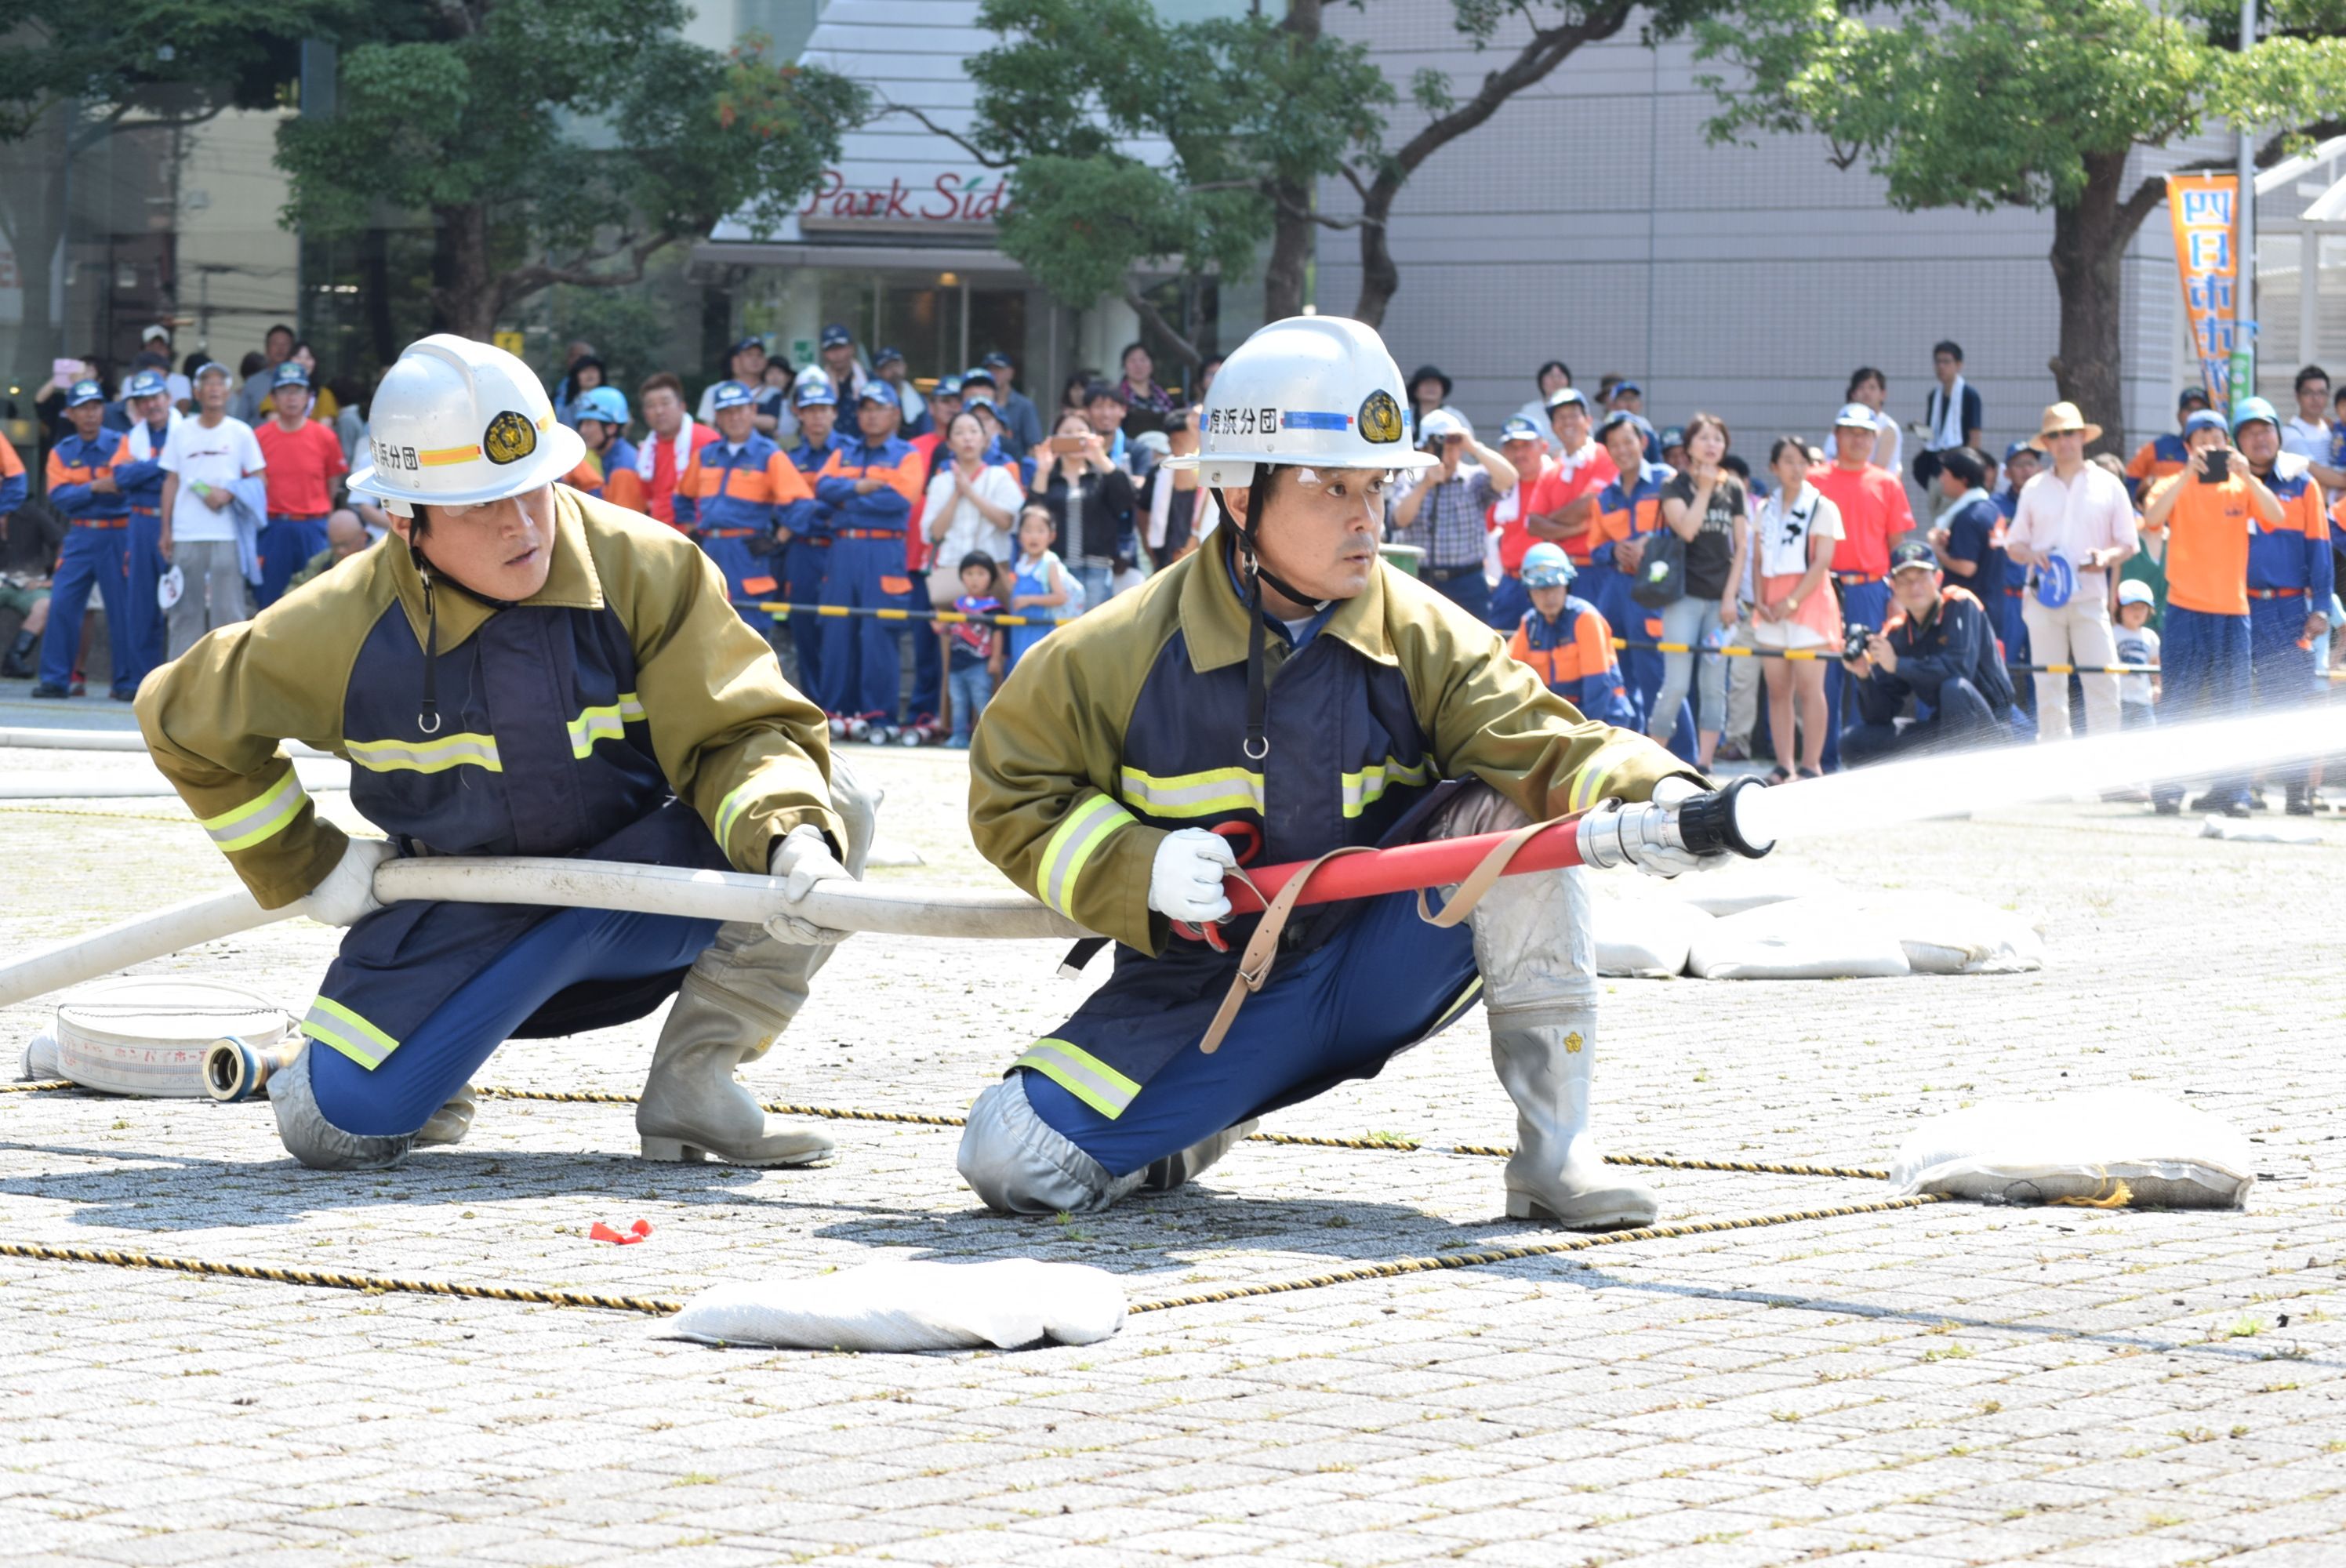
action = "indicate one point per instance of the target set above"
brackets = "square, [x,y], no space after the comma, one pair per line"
[1258,743]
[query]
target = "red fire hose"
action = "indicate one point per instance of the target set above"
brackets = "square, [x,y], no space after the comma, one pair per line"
[1405,867]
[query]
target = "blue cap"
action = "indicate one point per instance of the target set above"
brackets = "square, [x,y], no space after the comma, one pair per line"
[1620,417]
[814,392]
[2190,395]
[2205,419]
[1620,387]
[979,373]
[605,405]
[2023,445]
[947,386]
[999,360]
[977,398]
[886,355]
[879,392]
[1857,416]
[2055,581]
[81,392]
[835,336]
[1913,553]
[1673,436]
[1545,566]
[1562,395]
[730,394]
[146,383]
[746,344]
[290,374]
[1518,428]
[2249,409]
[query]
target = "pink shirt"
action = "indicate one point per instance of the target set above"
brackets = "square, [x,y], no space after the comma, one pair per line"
[2075,517]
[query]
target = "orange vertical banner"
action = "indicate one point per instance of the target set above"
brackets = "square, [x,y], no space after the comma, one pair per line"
[2206,211]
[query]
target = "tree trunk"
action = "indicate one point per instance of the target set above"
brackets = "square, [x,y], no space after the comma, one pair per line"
[1380,275]
[464,292]
[1290,252]
[2089,242]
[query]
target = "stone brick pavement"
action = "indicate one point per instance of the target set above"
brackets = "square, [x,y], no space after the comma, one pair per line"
[1952,1385]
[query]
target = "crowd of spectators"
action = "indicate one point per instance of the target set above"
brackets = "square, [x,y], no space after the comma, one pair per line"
[1884,588]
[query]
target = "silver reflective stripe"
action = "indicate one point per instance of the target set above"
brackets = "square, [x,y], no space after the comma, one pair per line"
[1082,1075]
[1368,786]
[460,750]
[1208,794]
[263,816]
[1069,848]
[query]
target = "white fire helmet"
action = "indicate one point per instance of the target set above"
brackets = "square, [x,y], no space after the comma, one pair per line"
[1311,391]
[456,423]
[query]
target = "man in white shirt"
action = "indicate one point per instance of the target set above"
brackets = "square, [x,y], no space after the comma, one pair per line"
[2078,513]
[204,458]
[2308,434]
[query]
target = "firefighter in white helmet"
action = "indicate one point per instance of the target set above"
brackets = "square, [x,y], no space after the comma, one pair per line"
[524,670]
[1277,695]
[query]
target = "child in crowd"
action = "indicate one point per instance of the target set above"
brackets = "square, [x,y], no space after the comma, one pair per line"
[1043,582]
[972,648]
[2136,644]
[1565,639]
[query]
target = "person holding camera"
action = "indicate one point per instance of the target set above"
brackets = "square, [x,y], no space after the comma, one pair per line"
[1940,648]
[2079,514]
[1442,510]
[1092,505]
[2209,513]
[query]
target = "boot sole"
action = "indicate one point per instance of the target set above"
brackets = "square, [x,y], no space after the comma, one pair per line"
[675,1151]
[1520,1207]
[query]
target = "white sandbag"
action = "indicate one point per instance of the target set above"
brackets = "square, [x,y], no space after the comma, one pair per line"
[1800,939]
[1947,934]
[2080,1147]
[911,1306]
[1646,938]
[2248,832]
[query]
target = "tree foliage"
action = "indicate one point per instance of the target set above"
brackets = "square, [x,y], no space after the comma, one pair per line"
[172,58]
[1132,140]
[556,142]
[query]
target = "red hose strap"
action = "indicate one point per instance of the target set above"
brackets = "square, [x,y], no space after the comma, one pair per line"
[1477,882]
[1263,947]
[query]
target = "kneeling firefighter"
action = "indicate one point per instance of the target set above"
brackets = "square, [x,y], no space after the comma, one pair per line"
[1283,694]
[524,670]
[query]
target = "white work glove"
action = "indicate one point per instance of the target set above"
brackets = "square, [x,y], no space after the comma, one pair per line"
[346,896]
[1660,860]
[803,859]
[1184,884]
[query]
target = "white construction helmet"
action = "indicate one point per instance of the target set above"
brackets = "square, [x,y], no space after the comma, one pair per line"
[457,423]
[1314,392]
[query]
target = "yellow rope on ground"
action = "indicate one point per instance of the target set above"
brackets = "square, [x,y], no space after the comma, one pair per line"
[373,1284]
[662,1307]
[1401,1265]
[42,1086]
[1301,1140]
[108,816]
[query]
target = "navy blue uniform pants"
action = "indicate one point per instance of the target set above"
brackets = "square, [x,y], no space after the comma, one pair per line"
[805,563]
[92,558]
[2203,673]
[2281,668]
[862,660]
[286,546]
[1378,985]
[1868,602]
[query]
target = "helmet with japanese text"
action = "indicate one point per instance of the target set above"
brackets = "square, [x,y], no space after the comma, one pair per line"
[456,423]
[1313,392]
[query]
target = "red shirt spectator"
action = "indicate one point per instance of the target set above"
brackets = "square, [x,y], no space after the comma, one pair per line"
[669,450]
[303,463]
[1580,473]
[1874,512]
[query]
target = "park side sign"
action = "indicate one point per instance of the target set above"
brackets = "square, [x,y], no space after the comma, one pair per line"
[950,202]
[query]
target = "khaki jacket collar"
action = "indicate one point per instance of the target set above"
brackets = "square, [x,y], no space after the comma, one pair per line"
[571,585]
[1214,618]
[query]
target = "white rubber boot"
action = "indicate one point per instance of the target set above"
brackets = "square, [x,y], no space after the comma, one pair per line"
[1538,953]
[739,996]
[450,1123]
[1173,1170]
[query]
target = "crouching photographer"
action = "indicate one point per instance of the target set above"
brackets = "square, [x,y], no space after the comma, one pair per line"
[1939,648]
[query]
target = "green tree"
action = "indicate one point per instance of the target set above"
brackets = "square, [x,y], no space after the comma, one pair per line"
[1252,113]
[556,142]
[72,74]
[2031,103]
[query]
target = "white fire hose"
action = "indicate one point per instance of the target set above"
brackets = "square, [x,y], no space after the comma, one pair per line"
[876,908]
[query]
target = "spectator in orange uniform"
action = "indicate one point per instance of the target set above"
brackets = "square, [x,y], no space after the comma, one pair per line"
[609,469]
[729,497]
[1566,641]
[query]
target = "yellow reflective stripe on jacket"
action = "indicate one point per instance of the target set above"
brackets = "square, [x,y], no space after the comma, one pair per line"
[261,817]
[606,723]
[331,1023]
[1070,846]
[1082,1075]
[1208,794]
[463,749]
[1589,789]
[1364,789]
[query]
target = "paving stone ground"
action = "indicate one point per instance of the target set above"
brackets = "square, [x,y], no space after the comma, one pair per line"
[1957,1384]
